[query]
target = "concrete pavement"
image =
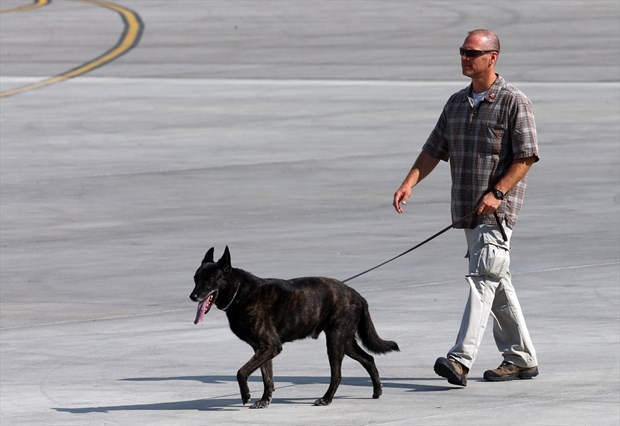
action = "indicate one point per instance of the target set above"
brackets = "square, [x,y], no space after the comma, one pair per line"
[281,129]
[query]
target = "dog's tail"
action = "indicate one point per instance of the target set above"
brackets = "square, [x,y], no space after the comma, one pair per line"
[370,338]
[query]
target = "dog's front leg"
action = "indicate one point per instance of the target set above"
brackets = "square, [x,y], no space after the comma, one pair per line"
[242,379]
[267,372]
[261,357]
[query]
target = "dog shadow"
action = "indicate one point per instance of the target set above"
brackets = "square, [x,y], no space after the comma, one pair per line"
[233,402]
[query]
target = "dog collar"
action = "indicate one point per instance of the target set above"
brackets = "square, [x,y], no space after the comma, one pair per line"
[225,308]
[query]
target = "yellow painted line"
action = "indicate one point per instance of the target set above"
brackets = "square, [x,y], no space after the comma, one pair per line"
[128,40]
[34,5]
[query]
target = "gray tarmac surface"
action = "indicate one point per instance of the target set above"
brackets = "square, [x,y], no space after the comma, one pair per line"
[282,129]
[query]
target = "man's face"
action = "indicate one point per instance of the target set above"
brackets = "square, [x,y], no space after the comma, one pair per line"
[476,63]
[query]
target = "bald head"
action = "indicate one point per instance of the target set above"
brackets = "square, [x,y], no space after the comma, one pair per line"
[489,40]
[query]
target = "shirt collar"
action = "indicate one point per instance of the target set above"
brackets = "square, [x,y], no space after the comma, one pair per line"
[492,93]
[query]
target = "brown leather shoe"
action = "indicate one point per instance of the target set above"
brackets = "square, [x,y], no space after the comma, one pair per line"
[455,372]
[508,371]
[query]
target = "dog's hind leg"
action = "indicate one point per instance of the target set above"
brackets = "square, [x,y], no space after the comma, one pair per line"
[368,362]
[335,352]
[267,372]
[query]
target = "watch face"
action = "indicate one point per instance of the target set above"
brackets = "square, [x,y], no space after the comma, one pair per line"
[498,194]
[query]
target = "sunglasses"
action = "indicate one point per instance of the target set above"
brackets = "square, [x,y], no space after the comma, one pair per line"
[470,53]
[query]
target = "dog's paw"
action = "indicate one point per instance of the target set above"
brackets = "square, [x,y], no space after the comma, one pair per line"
[260,404]
[322,402]
[245,394]
[377,393]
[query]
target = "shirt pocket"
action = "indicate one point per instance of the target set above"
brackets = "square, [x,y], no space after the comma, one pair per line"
[494,135]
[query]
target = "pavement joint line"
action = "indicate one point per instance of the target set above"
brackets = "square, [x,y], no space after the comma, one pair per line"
[537,271]
[146,314]
[567,268]
[293,81]
[109,318]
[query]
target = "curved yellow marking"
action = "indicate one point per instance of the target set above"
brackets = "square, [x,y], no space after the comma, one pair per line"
[34,5]
[129,39]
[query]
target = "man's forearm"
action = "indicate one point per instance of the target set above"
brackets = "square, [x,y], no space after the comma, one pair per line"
[422,167]
[517,171]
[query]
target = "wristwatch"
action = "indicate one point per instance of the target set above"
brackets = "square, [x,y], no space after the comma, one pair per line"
[497,194]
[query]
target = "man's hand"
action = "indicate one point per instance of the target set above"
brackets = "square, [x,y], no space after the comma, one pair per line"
[401,196]
[423,165]
[488,204]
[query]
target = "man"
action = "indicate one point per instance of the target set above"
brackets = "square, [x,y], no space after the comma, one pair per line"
[488,134]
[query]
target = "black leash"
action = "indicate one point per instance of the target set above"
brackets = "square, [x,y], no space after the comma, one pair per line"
[501,227]
[447,228]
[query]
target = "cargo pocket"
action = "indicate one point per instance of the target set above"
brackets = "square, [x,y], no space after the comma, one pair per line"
[491,256]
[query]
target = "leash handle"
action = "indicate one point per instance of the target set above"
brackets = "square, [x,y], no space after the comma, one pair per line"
[501,226]
[497,219]
[447,228]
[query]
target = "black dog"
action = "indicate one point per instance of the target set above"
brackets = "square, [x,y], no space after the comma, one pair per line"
[265,313]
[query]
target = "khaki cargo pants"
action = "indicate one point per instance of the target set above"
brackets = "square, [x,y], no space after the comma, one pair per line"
[491,292]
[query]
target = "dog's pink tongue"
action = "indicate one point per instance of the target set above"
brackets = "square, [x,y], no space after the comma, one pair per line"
[203,307]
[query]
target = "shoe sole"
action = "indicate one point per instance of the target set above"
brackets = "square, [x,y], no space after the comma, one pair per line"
[445,371]
[522,375]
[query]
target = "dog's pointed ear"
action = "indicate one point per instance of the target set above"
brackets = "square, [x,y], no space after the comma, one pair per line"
[224,261]
[209,256]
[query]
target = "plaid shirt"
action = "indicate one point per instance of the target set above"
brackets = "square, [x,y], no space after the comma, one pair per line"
[481,143]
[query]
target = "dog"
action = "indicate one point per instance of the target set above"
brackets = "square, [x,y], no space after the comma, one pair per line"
[266,313]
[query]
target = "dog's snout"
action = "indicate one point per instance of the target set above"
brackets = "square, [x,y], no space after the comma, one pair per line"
[194,297]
